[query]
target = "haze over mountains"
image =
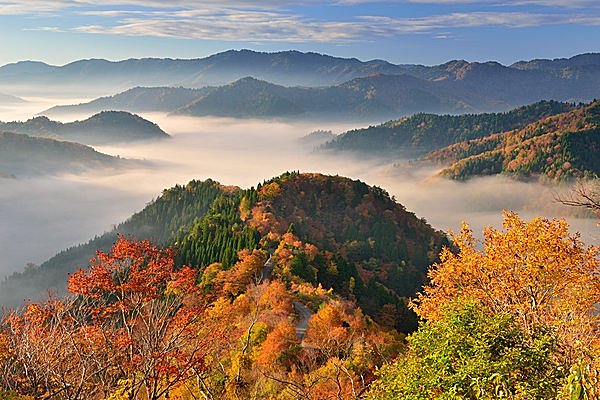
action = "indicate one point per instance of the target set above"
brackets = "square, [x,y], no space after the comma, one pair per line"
[253,86]
[312,83]
[9,99]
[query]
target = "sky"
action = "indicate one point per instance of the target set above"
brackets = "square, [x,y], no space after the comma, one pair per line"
[409,31]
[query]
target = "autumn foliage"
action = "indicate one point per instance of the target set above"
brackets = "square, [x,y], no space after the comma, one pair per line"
[534,270]
[130,326]
[516,318]
[136,327]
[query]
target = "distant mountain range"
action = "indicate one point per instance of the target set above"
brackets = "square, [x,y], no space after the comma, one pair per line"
[456,86]
[104,128]
[22,155]
[556,148]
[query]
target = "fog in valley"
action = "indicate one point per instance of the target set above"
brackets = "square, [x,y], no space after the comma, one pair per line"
[43,215]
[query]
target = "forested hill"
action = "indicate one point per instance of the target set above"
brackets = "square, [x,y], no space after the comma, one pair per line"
[367,97]
[23,155]
[348,236]
[561,147]
[104,128]
[426,132]
[327,230]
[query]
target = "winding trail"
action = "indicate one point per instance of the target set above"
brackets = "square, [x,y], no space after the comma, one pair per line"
[267,269]
[303,312]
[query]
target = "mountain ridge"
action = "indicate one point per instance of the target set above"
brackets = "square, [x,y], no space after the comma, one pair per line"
[104,127]
[579,80]
[23,155]
[424,132]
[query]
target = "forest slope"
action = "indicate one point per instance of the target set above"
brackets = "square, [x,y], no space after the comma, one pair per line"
[327,230]
[424,132]
[556,148]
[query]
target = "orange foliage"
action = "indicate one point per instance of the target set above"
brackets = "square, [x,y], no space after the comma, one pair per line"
[279,348]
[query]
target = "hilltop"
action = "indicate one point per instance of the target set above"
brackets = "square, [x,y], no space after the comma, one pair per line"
[107,127]
[322,230]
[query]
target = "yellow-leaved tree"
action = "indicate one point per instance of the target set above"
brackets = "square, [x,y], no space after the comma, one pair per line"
[535,271]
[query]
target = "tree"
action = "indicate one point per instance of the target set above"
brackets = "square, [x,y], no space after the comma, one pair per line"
[535,272]
[586,194]
[470,353]
[134,326]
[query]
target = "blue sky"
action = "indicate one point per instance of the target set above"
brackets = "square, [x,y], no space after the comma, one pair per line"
[413,31]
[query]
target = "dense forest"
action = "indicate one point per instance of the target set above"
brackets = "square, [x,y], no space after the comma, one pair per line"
[425,132]
[557,148]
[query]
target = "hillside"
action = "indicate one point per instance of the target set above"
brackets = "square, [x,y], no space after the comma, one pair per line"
[22,155]
[316,138]
[327,230]
[104,128]
[373,96]
[139,99]
[425,132]
[556,148]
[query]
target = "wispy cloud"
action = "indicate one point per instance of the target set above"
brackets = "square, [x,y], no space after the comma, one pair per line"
[242,25]
[50,6]
[231,25]
[272,20]
[46,29]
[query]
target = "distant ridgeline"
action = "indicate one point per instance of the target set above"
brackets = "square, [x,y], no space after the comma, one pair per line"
[327,230]
[555,148]
[425,132]
[292,83]
[104,128]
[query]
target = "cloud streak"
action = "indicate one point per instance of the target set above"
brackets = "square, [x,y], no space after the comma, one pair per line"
[48,6]
[268,26]
[283,20]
